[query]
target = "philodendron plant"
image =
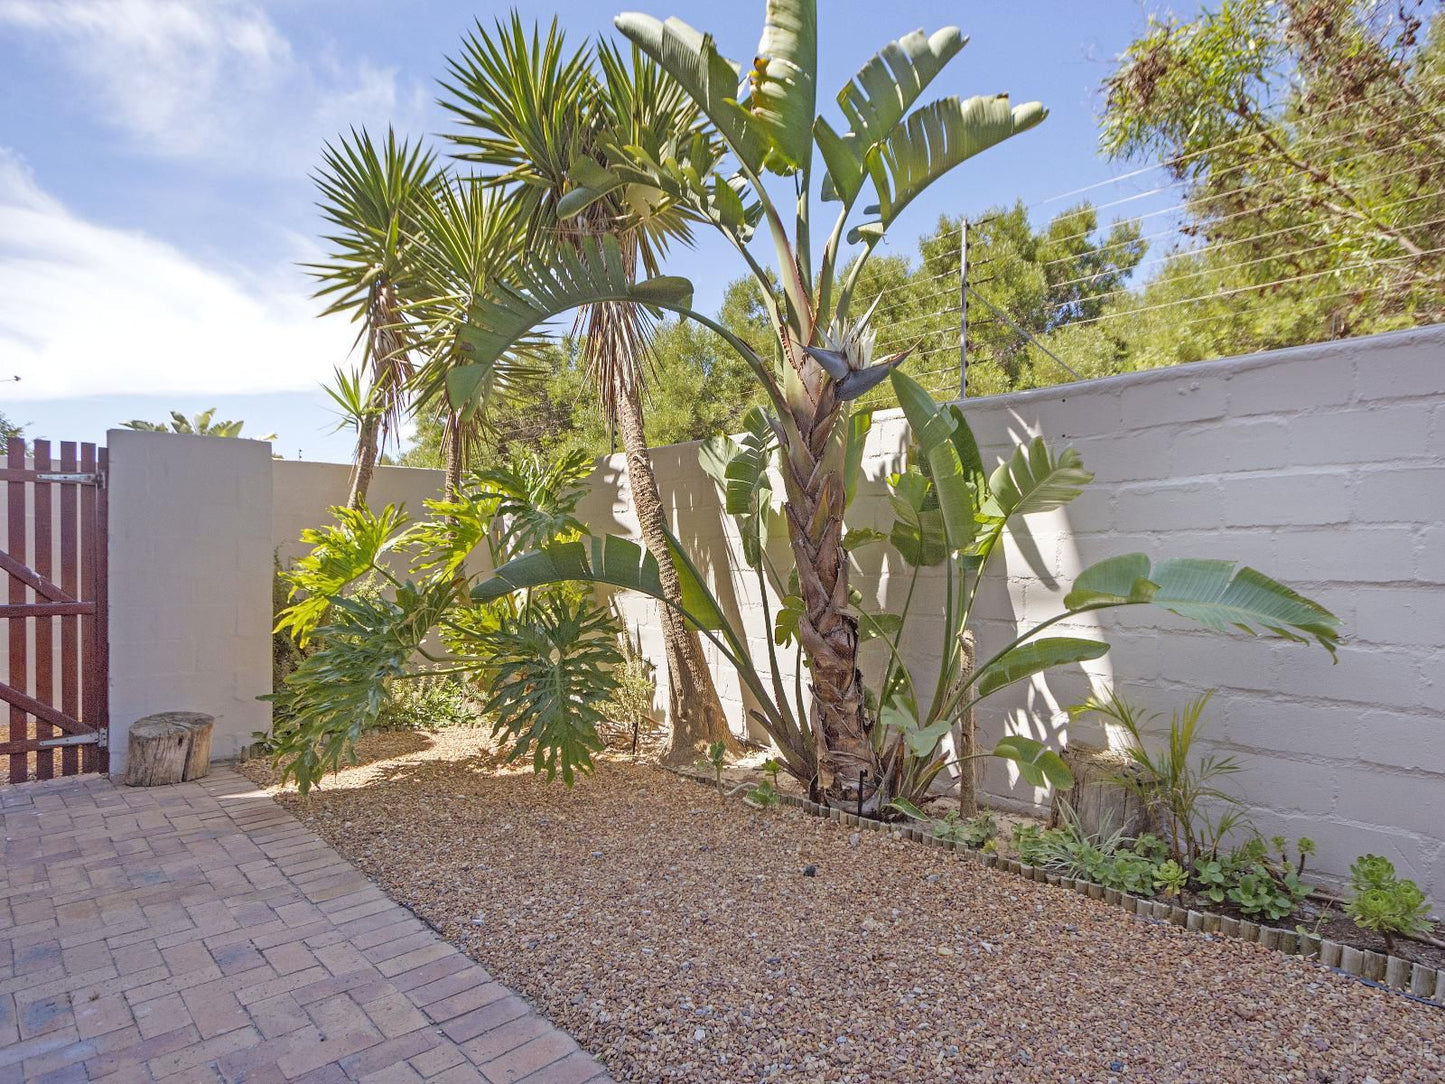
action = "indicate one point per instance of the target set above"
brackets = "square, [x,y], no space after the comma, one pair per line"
[816,362]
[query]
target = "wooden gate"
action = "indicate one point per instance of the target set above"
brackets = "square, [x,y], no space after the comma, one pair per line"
[53,644]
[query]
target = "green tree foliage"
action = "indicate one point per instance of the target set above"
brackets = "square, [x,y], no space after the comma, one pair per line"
[1309,137]
[8,428]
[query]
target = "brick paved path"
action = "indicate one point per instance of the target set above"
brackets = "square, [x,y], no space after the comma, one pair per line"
[200,933]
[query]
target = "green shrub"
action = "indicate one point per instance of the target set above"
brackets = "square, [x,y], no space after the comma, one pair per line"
[428,703]
[630,702]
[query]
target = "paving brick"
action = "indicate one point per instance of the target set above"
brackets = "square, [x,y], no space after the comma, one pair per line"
[396,1051]
[465,1000]
[494,1015]
[202,933]
[577,1067]
[491,1045]
[395,1015]
[531,1057]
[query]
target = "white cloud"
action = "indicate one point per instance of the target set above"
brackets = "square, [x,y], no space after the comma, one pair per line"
[91,310]
[212,80]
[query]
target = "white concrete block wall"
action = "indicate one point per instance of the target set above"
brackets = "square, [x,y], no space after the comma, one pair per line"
[303,493]
[190,583]
[195,524]
[1323,466]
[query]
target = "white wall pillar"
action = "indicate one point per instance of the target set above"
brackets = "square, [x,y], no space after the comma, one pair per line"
[190,583]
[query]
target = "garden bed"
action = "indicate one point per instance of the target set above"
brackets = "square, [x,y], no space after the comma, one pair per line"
[680,936]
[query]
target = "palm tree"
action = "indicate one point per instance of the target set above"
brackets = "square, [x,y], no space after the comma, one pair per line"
[818,359]
[370,194]
[537,113]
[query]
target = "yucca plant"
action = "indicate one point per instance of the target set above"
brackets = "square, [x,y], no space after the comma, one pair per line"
[531,111]
[370,194]
[1177,788]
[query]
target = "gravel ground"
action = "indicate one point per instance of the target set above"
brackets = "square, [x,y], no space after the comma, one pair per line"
[677,935]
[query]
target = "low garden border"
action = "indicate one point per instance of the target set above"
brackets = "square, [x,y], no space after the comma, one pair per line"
[1417,981]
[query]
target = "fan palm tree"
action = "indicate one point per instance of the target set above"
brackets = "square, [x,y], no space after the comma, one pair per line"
[370,194]
[536,112]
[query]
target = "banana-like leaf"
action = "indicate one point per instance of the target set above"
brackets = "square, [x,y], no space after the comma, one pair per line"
[931,142]
[858,537]
[710,79]
[1218,594]
[784,82]
[855,438]
[918,533]
[898,713]
[592,272]
[604,559]
[1115,581]
[1034,657]
[969,457]
[872,626]
[683,170]
[740,468]
[876,99]
[908,809]
[1035,480]
[1037,764]
[933,428]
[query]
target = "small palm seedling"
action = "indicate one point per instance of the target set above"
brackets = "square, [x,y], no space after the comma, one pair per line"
[716,753]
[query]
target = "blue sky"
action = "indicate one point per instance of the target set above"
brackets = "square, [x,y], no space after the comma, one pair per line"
[155,199]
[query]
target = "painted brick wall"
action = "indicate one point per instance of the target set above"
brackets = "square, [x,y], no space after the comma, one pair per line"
[1323,466]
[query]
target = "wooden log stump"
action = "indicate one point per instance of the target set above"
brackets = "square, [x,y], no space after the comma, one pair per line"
[1098,802]
[169,747]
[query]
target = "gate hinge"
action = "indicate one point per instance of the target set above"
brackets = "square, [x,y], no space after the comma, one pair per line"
[92,478]
[97,738]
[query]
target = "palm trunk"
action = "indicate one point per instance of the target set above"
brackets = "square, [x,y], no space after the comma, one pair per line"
[829,633]
[693,706]
[366,450]
[453,453]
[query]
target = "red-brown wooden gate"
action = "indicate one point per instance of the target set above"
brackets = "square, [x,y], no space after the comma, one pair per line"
[53,668]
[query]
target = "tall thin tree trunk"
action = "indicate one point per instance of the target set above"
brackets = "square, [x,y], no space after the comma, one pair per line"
[366,451]
[967,732]
[453,452]
[694,709]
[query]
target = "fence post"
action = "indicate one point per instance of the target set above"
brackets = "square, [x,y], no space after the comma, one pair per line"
[963,309]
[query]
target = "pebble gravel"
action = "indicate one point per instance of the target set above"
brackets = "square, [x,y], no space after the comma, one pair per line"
[682,936]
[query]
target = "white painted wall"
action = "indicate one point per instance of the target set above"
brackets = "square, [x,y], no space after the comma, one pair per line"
[190,583]
[195,525]
[1323,466]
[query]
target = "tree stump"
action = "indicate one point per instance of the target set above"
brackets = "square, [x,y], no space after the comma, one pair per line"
[1099,803]
[170,747]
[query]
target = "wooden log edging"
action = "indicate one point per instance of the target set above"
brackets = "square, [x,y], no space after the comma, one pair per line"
[1416,980]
